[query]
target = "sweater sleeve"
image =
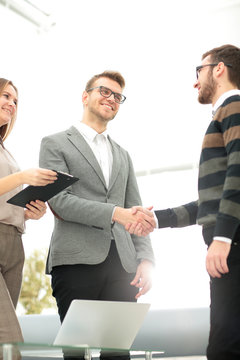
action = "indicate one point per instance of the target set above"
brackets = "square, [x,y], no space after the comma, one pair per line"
[180,216]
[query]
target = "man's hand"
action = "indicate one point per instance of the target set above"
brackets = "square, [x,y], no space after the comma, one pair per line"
[216,260]
[143,278]
[127,217]
[137,228]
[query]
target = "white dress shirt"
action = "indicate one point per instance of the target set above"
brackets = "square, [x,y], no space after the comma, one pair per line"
[223,97]
[100,146]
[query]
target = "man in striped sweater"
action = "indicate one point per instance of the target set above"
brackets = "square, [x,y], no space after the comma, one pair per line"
[218,208]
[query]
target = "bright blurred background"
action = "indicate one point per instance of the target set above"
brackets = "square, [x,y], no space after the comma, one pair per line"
[50,48]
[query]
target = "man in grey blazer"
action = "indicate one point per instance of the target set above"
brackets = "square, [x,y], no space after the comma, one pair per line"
[91,255]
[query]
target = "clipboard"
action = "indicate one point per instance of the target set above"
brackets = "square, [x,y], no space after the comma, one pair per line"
[43,193]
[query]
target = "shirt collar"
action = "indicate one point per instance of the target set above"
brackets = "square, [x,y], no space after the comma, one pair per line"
[223,97]
[89,132]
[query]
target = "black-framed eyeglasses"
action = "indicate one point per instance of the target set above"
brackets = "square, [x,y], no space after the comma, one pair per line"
[106,92]
[198,68]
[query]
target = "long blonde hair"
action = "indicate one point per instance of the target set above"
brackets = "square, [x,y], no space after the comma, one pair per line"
[7,128]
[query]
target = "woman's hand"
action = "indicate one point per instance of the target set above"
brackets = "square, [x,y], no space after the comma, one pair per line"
[38,177]
[35,177]
[35,210]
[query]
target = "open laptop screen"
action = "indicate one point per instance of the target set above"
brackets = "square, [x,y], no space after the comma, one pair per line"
[101,324]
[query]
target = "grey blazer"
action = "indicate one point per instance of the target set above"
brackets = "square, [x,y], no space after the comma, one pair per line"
[83,229]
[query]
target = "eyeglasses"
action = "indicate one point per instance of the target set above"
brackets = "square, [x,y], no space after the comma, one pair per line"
[106,92]
[198,68]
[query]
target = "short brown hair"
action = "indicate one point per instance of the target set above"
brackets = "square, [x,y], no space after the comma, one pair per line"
[113,75]
[7,128]
[229,54]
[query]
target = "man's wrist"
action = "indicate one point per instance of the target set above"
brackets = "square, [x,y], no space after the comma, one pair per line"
[156,220]
[117,215]
[223,239]
[112,220]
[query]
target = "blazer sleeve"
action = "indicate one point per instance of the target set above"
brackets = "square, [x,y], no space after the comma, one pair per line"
[67,205]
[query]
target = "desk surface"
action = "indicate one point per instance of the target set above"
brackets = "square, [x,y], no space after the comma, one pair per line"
[12,350]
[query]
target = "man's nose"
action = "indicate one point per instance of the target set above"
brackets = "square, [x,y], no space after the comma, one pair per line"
[195,85]
[111,97]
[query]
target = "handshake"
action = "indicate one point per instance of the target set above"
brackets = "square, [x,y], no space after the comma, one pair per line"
[136,220]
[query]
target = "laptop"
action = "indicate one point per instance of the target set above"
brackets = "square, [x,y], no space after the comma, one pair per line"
[101,324]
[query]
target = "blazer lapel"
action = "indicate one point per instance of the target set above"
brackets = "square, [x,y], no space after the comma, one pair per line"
[116,162]
[80,143]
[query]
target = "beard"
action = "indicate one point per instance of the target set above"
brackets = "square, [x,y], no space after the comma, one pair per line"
[207,91]
[98,114]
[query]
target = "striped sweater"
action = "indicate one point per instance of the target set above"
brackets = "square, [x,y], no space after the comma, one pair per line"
[218,206]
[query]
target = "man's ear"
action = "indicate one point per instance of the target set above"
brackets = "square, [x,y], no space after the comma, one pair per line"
[85,97]
[220,68]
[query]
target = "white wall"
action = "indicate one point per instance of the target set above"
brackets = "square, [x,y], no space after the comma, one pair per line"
[156,45]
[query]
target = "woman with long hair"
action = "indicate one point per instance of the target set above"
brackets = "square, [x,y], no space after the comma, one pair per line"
[12,218]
